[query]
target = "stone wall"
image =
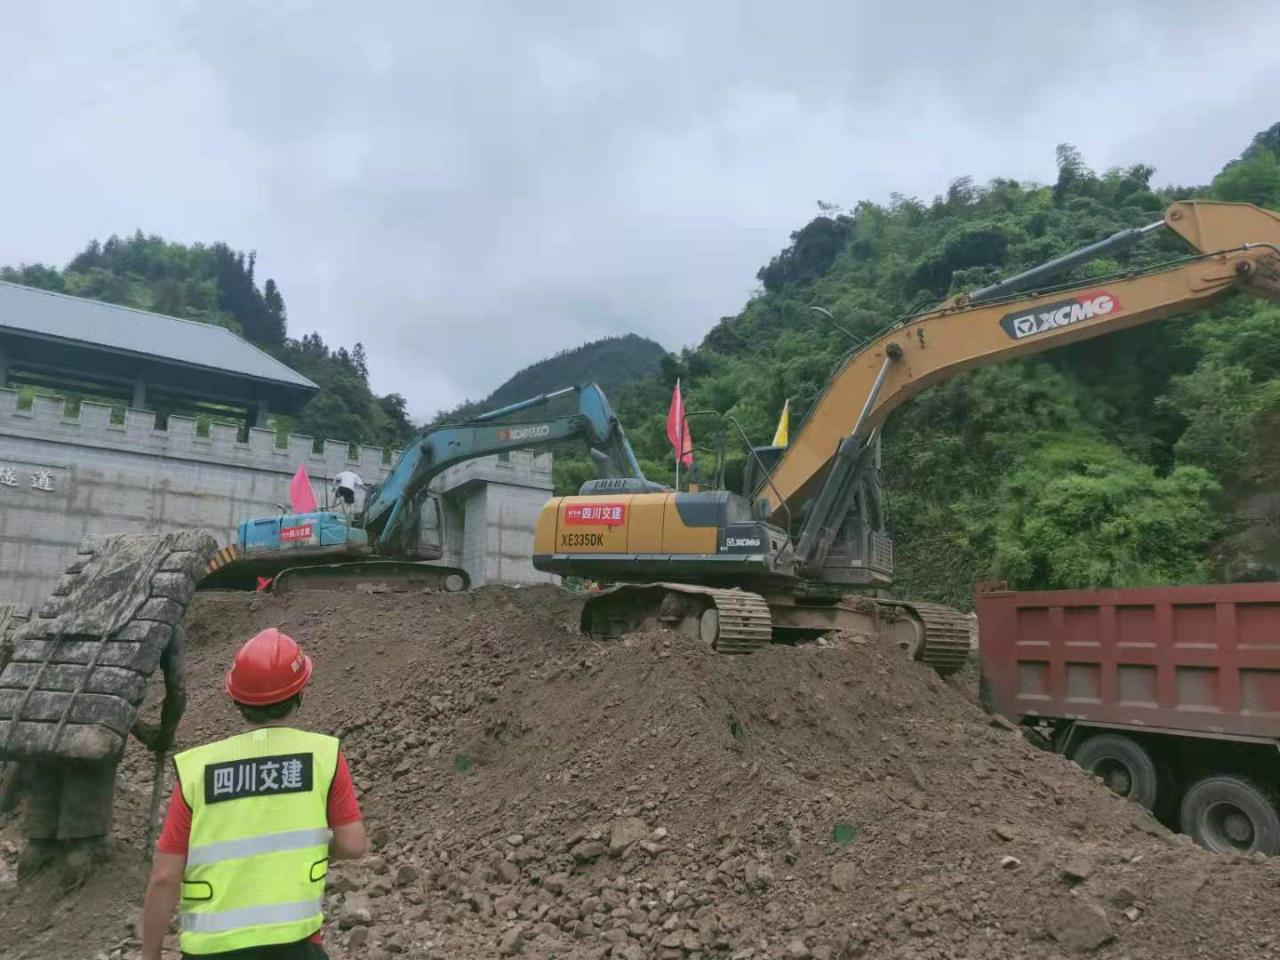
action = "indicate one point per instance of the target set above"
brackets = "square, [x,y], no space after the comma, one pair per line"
[62,478]
[500,497]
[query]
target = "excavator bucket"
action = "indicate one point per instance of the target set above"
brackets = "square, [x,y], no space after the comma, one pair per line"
[80,663]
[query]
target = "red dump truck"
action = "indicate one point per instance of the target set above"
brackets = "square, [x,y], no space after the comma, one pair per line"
[1170,694]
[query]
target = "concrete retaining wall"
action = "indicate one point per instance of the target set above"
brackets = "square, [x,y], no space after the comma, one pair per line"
[63,477]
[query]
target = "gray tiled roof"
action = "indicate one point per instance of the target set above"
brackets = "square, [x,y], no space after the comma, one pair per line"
[28,310]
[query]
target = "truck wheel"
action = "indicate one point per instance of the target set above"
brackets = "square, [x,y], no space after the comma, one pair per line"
[1124,766]
[1231,815]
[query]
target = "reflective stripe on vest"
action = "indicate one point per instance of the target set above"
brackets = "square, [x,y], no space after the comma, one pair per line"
[251,846]
[259,845]
[249,916]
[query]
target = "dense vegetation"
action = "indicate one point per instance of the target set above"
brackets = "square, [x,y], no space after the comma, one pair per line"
[1105,463]
[215,284]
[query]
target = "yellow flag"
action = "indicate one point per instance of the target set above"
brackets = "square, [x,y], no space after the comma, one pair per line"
[780,435]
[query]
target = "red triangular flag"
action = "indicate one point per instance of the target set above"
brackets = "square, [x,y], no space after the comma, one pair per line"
[301,499]
[678,429]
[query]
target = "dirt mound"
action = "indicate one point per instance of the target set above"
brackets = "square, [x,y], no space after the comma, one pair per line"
[533,793]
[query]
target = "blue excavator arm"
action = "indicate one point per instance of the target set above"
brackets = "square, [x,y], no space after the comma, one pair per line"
[389,515]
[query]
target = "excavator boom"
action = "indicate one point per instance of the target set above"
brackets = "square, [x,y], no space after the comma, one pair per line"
[1238,247]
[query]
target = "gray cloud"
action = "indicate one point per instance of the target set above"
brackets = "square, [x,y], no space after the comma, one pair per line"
[469,187]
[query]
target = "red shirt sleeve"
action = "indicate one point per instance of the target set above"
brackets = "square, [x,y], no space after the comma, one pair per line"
[176,833]
[343,807]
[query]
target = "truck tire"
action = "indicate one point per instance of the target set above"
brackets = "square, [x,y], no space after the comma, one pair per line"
[1231,815]
[1124,766]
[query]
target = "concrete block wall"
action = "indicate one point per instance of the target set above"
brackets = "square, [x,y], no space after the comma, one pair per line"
[502,540]
[64,477]
[491,506]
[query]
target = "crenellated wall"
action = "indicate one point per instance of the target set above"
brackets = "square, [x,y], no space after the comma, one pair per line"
[93,427]
[64,477]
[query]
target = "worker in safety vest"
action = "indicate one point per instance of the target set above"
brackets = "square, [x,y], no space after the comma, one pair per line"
[253,822]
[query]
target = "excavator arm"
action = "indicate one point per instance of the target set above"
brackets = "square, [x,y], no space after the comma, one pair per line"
[389,514]
[1238,248]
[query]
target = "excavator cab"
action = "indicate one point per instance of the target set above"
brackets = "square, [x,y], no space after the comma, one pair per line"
[759,465]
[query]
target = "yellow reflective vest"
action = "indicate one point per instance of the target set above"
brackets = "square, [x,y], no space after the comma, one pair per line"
[259,847]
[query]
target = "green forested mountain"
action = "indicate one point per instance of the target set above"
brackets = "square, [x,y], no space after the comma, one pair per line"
[215,284]
[1117,461]
[611,362]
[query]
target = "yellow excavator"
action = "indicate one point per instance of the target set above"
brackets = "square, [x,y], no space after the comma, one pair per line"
[786,559]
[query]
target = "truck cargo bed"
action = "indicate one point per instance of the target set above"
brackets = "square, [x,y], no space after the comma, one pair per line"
[1204,659]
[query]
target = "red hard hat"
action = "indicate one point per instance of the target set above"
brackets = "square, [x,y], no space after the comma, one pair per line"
[270,667]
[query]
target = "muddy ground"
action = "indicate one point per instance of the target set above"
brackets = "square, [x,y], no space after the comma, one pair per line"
[532,793]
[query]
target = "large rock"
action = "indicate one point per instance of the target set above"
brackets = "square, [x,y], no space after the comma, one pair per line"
[511,942]
[356,912]
[1079,925]
[587,850]
[624,832]
[844,875]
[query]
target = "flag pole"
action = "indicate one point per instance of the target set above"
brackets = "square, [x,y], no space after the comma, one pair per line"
[680,430]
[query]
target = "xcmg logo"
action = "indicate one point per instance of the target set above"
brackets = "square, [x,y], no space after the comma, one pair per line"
[525,433]
[1064,313]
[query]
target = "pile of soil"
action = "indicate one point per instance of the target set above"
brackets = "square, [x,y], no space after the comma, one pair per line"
[533,793]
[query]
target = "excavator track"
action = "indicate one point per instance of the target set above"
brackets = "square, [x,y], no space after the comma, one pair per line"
[231,568]
[372,576]
[81,662]
[933,633]
[728,621]
[739,622]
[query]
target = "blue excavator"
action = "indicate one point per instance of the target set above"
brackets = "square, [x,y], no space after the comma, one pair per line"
[393,541]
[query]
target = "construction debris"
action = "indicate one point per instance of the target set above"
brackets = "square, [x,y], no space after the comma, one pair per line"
[531,793]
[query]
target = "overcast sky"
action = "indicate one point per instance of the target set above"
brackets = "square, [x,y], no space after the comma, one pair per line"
[467,187]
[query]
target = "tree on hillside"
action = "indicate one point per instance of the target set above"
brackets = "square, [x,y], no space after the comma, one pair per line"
[1254,178]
